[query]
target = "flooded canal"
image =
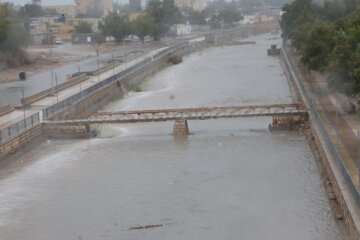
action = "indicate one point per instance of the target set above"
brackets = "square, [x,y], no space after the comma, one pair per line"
[230,179]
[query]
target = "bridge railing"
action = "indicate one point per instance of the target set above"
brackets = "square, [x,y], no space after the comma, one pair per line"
[19,127]
[317,120]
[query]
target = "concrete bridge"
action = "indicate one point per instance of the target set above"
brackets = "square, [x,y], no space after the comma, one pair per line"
[180,116]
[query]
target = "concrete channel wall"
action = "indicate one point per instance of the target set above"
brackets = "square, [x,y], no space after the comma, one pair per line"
[20,141]
[347,197]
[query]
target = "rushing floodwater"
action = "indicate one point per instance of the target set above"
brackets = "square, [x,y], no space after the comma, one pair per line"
[230,179]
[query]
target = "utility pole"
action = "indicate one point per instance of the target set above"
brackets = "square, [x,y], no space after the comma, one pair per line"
[98,68]
[336,123]
[23,96]
[125,54]
[113,63]
[50,50]
[57,90]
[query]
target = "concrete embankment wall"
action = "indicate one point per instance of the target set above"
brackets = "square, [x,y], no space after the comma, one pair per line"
[323,149]
[20,141]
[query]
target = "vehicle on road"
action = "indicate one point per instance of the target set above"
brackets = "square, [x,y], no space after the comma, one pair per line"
[59,42]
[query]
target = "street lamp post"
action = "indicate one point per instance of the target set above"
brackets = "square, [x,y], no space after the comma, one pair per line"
[336,123]
[24,107]
[113,63]
[57,90]
[98,69]
[125,54]
[50,50]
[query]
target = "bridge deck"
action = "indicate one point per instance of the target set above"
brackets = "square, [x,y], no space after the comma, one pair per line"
[183,113]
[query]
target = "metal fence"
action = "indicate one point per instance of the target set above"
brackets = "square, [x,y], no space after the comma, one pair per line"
[317,120]
[19,127]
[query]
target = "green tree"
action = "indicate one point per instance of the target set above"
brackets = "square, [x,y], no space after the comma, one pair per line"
[143,26]
[115,25]
[328,38]
[164,13]
[297,13]
[12,38]
[83,27]
[31,10]
[230,15]
[195,17]
[172,14]
[226,17]
[317,48]
[4,23]
[214,7]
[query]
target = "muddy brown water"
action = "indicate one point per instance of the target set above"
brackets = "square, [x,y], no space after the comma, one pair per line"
[230,179]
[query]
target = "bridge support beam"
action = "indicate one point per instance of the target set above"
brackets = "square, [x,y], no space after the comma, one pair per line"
[181,128]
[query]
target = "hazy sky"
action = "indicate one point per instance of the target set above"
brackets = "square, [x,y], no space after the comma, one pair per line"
[51,2]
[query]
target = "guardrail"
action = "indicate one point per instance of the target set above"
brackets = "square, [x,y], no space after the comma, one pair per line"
[33,98]
[316,118]
[19,127]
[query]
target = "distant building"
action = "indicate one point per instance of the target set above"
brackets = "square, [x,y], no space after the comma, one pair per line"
[83,6]
[196,5]
[68,10]
[46,29]
[39,30]
[135,5]
[108,6]
[181,29]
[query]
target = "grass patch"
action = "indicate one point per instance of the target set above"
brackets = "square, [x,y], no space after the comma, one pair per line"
[136,88]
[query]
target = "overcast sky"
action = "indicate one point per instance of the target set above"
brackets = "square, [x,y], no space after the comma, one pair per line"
[51,2]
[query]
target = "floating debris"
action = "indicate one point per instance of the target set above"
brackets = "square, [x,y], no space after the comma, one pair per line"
[145,227]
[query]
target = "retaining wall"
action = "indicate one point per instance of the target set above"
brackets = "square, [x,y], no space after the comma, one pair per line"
[20,141]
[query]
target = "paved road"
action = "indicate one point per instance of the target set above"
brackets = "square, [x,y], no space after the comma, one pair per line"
[11,92]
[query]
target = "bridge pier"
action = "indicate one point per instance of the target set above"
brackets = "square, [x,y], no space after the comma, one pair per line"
[288,122]
[181,128]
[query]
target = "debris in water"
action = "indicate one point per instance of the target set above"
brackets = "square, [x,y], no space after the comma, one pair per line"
[145,227]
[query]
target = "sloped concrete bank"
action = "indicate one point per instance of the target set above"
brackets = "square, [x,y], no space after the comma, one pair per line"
[341,191]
